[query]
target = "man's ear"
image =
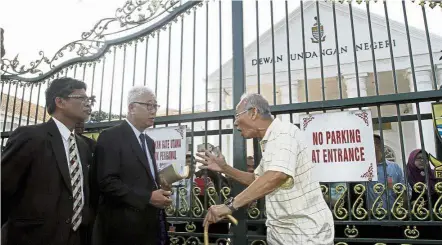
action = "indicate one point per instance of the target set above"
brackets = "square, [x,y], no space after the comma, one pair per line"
[59,102]
[254,113]
[130,107]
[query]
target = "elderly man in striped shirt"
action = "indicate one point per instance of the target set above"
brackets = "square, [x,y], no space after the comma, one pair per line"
[296,210]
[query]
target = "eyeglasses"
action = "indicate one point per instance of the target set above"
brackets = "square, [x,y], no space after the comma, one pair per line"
[82,98]
[149,106]
[420,159]
[242,112]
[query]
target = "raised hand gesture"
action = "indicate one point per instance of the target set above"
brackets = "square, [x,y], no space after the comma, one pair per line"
[211,161]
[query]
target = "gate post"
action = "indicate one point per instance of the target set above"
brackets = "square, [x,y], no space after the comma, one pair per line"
[239,146]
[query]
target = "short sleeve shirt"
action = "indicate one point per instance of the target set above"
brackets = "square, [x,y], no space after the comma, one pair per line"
[296,212]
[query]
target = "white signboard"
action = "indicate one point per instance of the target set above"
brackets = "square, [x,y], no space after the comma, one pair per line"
[342,146]
[170,146]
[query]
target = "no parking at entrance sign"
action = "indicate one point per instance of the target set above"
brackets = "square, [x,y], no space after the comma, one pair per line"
[341,145]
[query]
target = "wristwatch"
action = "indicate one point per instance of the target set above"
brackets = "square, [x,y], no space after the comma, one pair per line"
[229,204]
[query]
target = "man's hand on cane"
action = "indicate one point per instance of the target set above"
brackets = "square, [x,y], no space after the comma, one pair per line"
[216,213]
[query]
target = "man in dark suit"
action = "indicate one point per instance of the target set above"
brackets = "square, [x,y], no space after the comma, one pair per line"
[44,185]
[132,210]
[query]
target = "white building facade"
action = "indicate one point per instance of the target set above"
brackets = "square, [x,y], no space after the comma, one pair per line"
[382,81]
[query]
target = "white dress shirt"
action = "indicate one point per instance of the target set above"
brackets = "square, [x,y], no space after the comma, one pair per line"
[137,134]
[65,133]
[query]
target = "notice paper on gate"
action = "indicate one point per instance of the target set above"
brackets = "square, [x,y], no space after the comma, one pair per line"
[341,145]
[170,147]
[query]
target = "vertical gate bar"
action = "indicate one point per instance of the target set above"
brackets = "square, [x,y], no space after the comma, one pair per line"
[289,70]
[206,104]
[75,71]
[21,105]
[238,89]
[370,30]
[207,63]
[193,91]
[181,66]
[273,54]
[418,111]
[13,107]
[122,81]
[220,72]
[393,68]
[430,51]
[337,48]
[1,94]
[384,166]
[168,72]
[6,107]
[350,6]
[84,70]
[303,50]
[29,104]
[287,30]
[1,102]
[318,22]
[145,59]
[135,63]
[38,100]
[373,56]
[101,86]
[258,72]
[93,77]
[44,109]
[404,163]
[220,137]
[112,84]
[156,68]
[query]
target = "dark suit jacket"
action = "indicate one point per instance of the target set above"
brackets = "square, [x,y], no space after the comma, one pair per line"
[36,188]
[126,184]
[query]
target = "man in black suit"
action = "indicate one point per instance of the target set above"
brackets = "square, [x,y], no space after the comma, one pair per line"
[44,185]
[132,210]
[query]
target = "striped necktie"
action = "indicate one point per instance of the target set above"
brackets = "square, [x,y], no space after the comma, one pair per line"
[76,180]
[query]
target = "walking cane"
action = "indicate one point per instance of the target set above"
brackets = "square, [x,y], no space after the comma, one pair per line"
[206,229]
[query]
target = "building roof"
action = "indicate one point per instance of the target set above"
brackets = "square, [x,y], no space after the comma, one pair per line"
[15,110]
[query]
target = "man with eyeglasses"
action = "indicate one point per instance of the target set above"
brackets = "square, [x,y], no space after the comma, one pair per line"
[296,210]
[44,185]
[134,198]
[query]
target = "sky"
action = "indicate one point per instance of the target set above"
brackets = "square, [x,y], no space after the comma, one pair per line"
[46,25]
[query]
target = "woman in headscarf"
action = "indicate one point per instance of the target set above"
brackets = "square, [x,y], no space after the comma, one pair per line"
[416,173]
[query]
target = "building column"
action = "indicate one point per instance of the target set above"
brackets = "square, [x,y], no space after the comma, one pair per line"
[351,82]
[284,91]
[423,83]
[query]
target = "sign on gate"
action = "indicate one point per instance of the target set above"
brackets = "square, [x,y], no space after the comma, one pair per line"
[341,145]
[170,146]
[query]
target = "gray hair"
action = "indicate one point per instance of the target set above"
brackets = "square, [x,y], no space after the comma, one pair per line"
[137,92]
[257,101]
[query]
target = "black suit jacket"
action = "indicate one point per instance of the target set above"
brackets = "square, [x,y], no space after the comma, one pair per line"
[126,184]
[36,191]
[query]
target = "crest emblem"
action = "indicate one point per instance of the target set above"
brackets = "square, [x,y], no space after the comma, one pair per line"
[315,32]
[437,164]
[437,119]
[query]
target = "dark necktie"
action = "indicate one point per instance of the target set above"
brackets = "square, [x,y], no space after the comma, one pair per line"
[143,144]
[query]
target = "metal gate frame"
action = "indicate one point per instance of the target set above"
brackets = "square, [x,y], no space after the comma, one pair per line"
[13,75]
